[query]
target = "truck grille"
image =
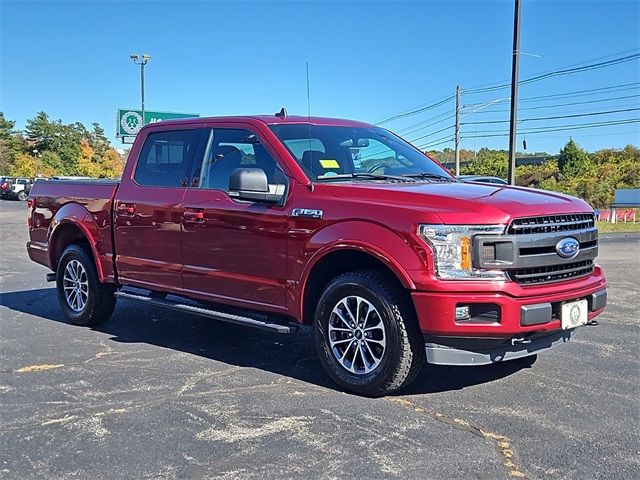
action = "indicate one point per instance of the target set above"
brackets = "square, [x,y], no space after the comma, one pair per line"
[535,240]
[552,273]
[552,223]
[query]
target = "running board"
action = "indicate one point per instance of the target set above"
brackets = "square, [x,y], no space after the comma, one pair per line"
[205,312]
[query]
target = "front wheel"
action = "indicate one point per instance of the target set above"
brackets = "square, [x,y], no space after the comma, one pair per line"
[84,300]
[366,334]
[22,196]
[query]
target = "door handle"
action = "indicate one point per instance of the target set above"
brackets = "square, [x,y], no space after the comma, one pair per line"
[193,215]
[126,210]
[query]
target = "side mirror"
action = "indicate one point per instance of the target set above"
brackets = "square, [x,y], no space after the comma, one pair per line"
[252,184]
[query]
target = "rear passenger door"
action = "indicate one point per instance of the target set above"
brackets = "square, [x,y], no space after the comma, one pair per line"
[234,251]
[148,210]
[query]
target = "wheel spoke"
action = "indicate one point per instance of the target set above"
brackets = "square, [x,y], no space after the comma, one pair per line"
[339,329]
[374,358]
[69,273]
[344,320]
[366,317]
[353,359]
[346,307]
[340,342]
[375,327]
[344,354]
[364,360]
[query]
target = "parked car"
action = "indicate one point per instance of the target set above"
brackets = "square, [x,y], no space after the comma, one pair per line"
[482,179]
[273,222]
[20,188]
[5,186]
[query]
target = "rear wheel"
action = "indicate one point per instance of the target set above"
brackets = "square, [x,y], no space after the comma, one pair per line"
[366,334]
[84,300]
[22,196]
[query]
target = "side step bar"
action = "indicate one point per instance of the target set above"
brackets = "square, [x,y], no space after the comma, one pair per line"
[205,312]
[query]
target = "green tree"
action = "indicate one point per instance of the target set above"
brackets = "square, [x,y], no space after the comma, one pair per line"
[573,160]
[488,162]
[51,163]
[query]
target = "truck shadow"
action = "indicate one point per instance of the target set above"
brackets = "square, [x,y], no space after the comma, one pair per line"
[290,355]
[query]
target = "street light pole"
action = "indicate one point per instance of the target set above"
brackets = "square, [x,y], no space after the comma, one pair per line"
[141,60]
[514,94]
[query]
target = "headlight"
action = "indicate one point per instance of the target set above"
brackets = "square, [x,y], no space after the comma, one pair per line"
[452,247]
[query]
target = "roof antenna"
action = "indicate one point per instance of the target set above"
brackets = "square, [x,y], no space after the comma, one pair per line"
[308,95]
[282,113]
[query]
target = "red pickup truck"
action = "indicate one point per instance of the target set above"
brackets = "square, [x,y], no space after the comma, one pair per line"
[276,221]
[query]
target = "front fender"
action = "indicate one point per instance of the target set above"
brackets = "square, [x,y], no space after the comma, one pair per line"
[387,246]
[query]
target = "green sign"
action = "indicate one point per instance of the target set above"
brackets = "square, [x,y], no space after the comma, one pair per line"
[130,120]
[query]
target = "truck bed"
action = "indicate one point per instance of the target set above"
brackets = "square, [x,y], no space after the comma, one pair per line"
[66,207]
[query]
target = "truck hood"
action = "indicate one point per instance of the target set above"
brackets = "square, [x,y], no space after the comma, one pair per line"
[463,203]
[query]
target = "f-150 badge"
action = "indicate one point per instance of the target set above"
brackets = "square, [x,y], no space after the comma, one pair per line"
[307,212]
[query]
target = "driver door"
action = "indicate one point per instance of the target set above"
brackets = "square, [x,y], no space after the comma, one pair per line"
[234,251]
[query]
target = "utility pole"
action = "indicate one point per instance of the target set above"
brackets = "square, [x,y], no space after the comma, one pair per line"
[141,60]
[142,89]
[514,94]
[457,134]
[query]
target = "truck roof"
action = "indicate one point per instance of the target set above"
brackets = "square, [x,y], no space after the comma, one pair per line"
[269,120]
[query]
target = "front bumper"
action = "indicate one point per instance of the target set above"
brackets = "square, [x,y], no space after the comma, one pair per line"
[504,327]
[513,315]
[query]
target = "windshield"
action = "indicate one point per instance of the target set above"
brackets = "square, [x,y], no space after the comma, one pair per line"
[329,153]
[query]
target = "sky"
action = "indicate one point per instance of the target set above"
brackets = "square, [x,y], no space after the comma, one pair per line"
[368,60]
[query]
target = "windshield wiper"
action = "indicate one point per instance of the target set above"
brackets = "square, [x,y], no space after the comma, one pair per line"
[429,175]
[372,176]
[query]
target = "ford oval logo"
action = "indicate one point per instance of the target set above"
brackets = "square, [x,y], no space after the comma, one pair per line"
[568,247]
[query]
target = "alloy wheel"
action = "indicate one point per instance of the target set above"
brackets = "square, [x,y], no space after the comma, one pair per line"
[357,335]
[76,285]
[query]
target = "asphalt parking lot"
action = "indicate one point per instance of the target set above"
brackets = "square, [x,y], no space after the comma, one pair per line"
[153,394]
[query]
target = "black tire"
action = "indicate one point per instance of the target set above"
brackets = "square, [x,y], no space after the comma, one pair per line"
[404,353]
[22,196]
[100,301]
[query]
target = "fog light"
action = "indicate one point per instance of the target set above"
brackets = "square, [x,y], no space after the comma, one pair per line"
[462,312]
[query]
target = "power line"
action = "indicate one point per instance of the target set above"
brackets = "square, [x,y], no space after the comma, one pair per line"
[556,105]
[577,93]
[433,144]
[553,73]
[609,89]
[555,117]
[422,125]
[624,52]
[416,111]
[558,73]
[492,133]
[433,133]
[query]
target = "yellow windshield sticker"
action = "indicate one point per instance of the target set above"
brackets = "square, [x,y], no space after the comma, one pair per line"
[329,164]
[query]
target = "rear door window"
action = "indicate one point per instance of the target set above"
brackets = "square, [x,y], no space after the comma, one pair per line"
[166,158]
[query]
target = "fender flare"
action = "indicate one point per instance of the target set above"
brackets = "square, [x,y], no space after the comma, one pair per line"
[348,235]
[79,217]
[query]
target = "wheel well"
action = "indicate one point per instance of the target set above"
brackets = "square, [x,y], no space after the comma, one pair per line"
[66,235]
[334,264]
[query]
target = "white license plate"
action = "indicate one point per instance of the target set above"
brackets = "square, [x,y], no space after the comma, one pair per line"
[574,314]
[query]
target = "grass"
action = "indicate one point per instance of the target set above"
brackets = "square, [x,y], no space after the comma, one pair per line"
[621,227]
